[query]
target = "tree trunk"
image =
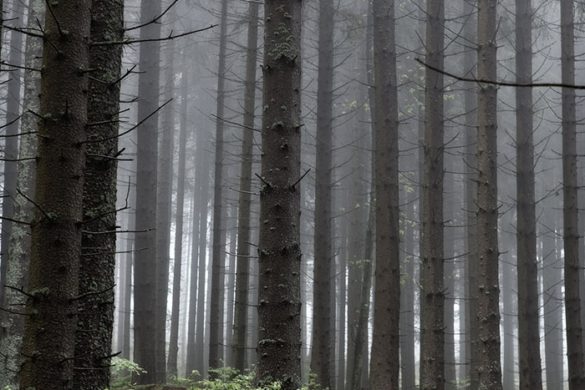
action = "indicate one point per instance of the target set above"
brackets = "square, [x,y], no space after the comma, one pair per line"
[488,314]
[528,317]
[279,305]
[49,339]
[178,258]
[218,253]
[432,269]
[10,155]
[19,246]
[570,203]
[245,200]
[323,346]
[145,264]
[385,343]
[98,262]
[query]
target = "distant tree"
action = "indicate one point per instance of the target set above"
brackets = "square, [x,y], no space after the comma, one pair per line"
[145,265]
[279,304]
[93,338]
[218,249]
[53,293]
[384,367]
[245,199]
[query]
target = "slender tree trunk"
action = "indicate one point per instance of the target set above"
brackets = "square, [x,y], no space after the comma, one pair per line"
[279,304]
[323,341]
[509,307]
[98,261]
[385,343]
[488,314]
[145,264]
[432,269]
[471,347]
[552,280]
[230,288]
[49,339]
[570,203]
[528,317]
[129,260]
[451,256]
[218,254]
[10,154]
[19,246]
[178,258]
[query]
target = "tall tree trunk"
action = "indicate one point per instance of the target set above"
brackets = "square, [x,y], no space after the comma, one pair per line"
[98,261]
[570,203]
[471,346]
[432,269]
[322,339]
[49,339]
[163,212]
[178,258]
[385,343]
[279,304]
[509,305]
[488,314]
[528,317]
[145,264]
[218,253]
[19,246]
[129,260]
[552,280]
[10,155]
[245,200]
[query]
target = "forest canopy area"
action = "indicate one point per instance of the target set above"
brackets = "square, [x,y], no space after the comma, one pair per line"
[286,195]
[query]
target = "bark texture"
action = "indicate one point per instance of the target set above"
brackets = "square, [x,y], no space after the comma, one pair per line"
[487,288]
[50,326]
[432,269]
[384,367]
[279,305]
[323,309]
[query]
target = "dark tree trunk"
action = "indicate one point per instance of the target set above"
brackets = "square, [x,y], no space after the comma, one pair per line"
[245,200]
[432,268]
[174,337]
[49,339]
[528,317]
[218,252]
[570,203]
[487,288]
[97,262]
[145,264]
[323,346]
[279,304]
[18,256]
[384,369]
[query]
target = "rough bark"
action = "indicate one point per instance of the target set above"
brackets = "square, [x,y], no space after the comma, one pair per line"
[384,369]
[279,305]
[218,250]
[50,326]
[17,261]
[10,154]
[570,203]
[245,200]
[528,317]
[487,288]
[322,339]
[145,265]
[432,269]
[93,339]
[178,258]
